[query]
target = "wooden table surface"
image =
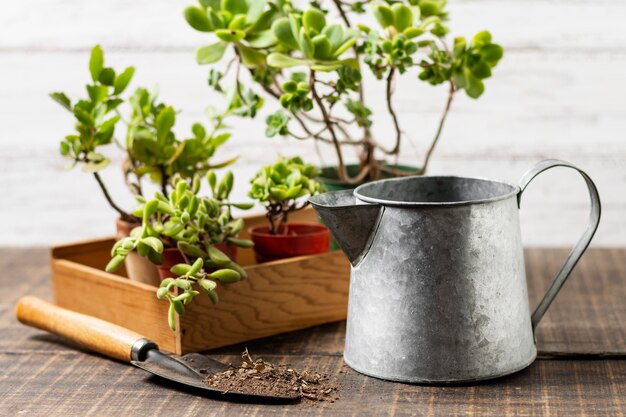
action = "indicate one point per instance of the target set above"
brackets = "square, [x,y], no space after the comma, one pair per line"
[581,369]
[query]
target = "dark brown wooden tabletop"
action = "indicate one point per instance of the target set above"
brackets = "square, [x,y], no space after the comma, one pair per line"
[581,369]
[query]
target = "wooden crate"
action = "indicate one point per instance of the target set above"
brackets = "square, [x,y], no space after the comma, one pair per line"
[277,297]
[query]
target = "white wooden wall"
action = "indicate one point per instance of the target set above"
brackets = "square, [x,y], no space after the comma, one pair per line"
[559,92]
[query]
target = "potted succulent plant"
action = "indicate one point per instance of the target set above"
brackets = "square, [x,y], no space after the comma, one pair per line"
[191,238]
[326,102]
[152,149]
[283,188]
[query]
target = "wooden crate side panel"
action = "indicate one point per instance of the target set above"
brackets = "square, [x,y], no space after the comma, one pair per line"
[276,298]
[117,300]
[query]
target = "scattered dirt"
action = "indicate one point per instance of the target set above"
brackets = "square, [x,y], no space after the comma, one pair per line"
[265,378]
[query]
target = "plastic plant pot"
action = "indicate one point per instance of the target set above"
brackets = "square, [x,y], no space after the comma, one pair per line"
[292,239]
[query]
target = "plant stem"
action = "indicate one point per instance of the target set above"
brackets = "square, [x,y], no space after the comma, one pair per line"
[439,129]
[394,116]
[163,180]
[125,216]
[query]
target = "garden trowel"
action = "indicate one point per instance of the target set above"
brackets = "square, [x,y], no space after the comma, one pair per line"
[125,345]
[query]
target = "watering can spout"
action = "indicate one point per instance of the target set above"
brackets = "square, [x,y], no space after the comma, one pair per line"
[351,224]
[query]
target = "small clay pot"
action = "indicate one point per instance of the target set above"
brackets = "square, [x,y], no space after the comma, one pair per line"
[292,239]
[138,268]
[172,256]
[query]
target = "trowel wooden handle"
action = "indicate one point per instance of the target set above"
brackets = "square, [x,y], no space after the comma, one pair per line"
[98,335]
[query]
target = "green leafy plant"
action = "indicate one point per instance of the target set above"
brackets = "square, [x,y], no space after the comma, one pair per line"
[152,148]
[194,225]
[96,118]
[324,102]
[282,186]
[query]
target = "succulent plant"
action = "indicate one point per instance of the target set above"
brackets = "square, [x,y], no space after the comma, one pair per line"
[272,37]
[282,186]
[195,226]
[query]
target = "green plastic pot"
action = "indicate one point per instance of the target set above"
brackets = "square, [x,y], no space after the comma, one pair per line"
[330,178]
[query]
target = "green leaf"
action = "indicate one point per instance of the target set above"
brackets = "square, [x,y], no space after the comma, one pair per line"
[263,39]
[384,15]
[343,48]
[278,60]
[122,80]
[180,269]
[64,148]
[196,267]
[83,116]
[164,122]
[402,16]
[115,263]
[335,35]
[242,243]
[235,6]
[197,19]
[211,53]
[215,18]
[218,256]
[475,87]
[162,293]
[96,62]
[207,284]
[251,58]
[226,275]
[323,47]
[62,99]
[306,44]
[97,93]
[230,35]
[107,75]
[313,20]
[413,32]
[191,250]
[492,53]
[171,317]
[154,243]
[481,38]
[481,70]
[243,206]
[256,11]
[178,306]
[282,30]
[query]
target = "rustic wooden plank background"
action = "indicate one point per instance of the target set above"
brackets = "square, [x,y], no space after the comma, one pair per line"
[581,370]
[559,92]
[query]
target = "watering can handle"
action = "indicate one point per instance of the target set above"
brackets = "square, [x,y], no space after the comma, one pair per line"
[578,250]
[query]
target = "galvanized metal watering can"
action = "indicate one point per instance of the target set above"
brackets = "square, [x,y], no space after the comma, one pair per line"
[438,288]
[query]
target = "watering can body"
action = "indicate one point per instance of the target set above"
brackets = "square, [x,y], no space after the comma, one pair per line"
[438,289]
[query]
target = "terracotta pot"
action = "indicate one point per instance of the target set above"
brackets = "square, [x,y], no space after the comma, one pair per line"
[293,239]
[138,268]
[172,256]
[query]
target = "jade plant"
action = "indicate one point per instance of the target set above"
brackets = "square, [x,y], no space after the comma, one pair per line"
[281,188]
[271,39]
[152,149]
[196,226]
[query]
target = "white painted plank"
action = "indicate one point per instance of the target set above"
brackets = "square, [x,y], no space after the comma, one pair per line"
[534,105]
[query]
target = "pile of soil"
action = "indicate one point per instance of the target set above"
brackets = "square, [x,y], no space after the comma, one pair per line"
[264,378]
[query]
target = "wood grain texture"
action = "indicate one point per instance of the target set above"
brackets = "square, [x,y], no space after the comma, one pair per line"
[94,334]
[44,375]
